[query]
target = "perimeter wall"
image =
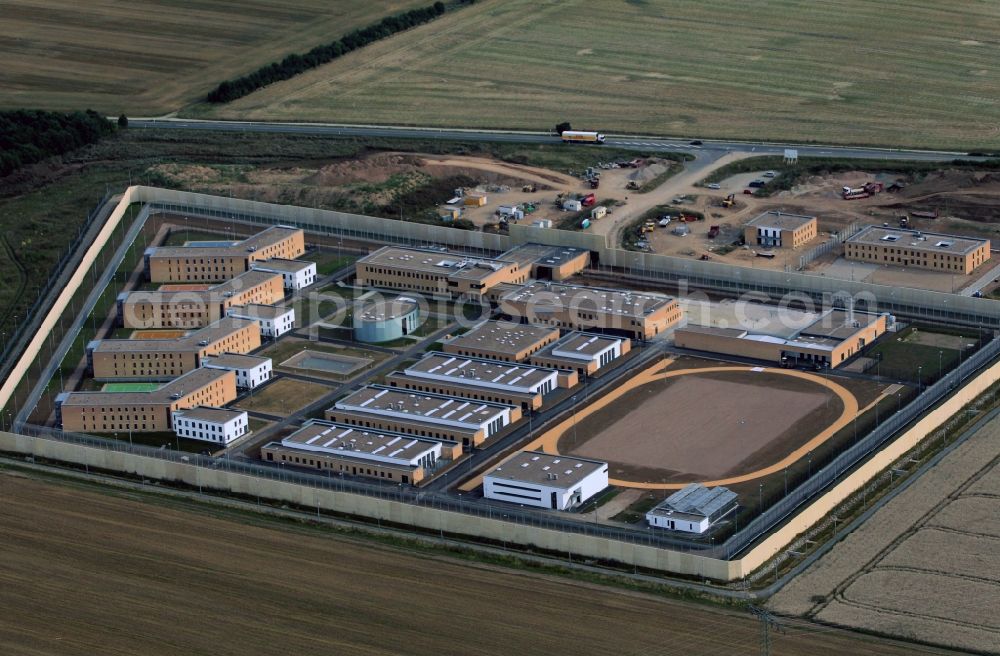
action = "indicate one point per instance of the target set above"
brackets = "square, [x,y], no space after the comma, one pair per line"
[931,305]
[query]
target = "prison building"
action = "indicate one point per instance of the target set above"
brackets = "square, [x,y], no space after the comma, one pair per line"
[545,480]
[780,230]
[830,341]
[693,509]
[619,311]
[163,359]
[585,353]
[251,371]
[349,450]
[501,340]
[549,262]
[144,412]
[218,261]
[273,320]
[385,319]
[295,274]
[217,425]
[524,400]
[435,273]
[423,414]
[196,306]
[914,248]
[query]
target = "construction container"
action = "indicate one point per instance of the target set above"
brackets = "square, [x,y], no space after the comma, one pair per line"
[572,205]
[598,212]
[475,200]
[451,211]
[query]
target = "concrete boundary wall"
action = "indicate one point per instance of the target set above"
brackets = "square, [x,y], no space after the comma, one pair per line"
[932,304]
[385,509]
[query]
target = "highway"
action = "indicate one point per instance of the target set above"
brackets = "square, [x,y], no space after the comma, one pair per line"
[714,148]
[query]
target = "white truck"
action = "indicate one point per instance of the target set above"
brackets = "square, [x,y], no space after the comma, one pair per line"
[577,136]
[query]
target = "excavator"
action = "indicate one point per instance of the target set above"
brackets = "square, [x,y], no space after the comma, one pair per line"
[729,201]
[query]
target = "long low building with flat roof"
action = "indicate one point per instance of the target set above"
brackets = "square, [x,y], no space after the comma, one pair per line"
[144,412]
[423,414]
[354,451]
[480,372]
[915,248]
[524,400]
[780,230]
[622,311]
[163,359]
[273,320]
[829,341]
[549,262]
[251,370]
[216,262]
[435,272]
[545,480]
[200,305]
[296,274]
[217,425]
[585,353]
[501,340]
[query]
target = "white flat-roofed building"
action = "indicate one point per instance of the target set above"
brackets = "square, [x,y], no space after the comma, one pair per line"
[545,480]
[295,274]
[693,509]
[585,352]
[274,320]
[361,452]
[217,425]
[423,413]
[482,373]
[251,370]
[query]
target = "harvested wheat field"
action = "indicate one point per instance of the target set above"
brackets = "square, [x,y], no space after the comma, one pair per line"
[153,57]
[924,566]
[90,573]
[832,72]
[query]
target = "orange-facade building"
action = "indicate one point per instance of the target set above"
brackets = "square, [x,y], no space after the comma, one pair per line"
[197,308]
[163,359]
[219,263]
[144,412]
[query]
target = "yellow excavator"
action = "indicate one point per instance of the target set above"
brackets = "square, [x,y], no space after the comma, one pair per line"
[729,201]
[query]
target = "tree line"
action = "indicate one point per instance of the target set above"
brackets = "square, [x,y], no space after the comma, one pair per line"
[295,63]
[28,136]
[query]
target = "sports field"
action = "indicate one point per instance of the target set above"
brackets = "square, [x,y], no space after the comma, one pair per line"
[130,387]
[846,71]
[150,57]
[103,574]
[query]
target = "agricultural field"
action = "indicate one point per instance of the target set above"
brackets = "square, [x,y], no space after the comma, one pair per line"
[831,72]
[148,58]
[174,577]
[923,566]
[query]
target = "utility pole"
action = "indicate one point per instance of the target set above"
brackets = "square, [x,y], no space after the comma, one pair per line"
[767,622]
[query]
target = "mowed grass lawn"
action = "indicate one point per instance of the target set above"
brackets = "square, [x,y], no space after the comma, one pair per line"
[283,396]
[845,71]
[147,57]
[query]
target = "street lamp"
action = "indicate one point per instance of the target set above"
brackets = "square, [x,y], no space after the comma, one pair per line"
[574,420]
[760,497]
[920,378]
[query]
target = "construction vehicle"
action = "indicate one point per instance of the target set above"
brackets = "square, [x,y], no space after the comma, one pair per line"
[713,232]
[631,184]
[576,136]
[864,191]
[705,257]
[904,221]
[588,200]
[729,200]
[529,189]
[595,183]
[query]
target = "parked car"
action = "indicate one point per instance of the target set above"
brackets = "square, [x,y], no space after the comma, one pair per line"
[664,222]
[757,183]
[696,142]
[749,192]
[769,174]
[713,185]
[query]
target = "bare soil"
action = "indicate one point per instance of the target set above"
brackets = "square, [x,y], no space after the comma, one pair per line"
[87,573]
[703,426]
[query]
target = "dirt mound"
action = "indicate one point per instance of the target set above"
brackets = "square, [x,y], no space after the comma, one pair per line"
[649,172]
[373,168]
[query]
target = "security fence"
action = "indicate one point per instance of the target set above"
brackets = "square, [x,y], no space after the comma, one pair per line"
[835,240]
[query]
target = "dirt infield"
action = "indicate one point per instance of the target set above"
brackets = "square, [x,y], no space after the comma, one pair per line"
[703,426]
[158,334]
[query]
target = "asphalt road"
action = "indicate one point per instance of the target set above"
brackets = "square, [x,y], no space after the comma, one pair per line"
[628,142]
